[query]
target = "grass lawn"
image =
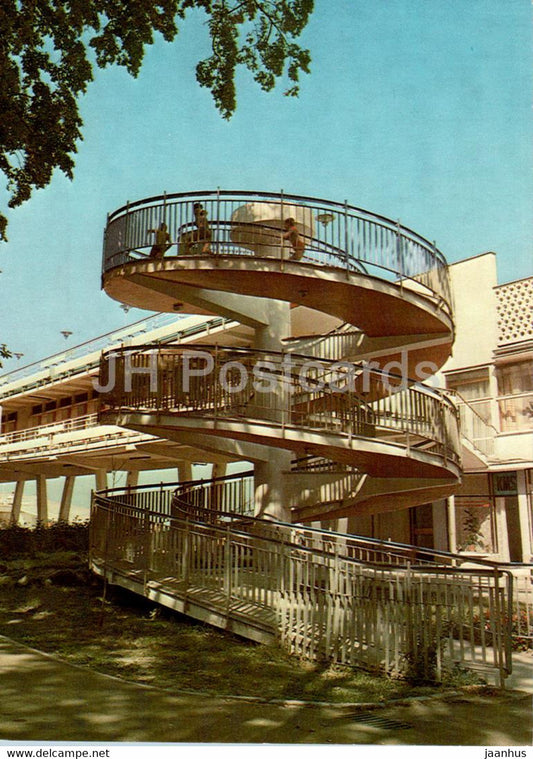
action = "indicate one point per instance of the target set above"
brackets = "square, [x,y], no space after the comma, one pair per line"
[51,602]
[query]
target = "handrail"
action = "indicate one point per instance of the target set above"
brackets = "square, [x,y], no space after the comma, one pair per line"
[59,427]
[172,493]
[261,195]
[292,535]
[470,419]
[327,401]
[138,351]
[350,237]
[309,589]
[103,341]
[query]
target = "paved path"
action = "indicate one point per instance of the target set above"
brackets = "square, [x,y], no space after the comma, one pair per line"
[44,699]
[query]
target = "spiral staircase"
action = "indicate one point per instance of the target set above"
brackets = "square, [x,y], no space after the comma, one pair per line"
[321,390]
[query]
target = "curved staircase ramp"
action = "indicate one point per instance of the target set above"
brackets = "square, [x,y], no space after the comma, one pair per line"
[376,297]
[385,285]
[325,595]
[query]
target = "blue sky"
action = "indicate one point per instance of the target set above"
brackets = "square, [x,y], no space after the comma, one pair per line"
[416,109]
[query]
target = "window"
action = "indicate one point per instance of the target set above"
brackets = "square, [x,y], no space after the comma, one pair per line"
[515,378]
[515,389]
[473,386]
[9,422]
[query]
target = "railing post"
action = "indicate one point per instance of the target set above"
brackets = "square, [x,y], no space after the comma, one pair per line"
[126,228]
[105,251]
[509,625]
[217,226]
[228,569]
[346,239]
[502,631]
[282,251]
[217,389]
[399,260]
[185,559]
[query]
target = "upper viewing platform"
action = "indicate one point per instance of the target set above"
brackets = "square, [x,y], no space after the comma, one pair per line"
[218,252]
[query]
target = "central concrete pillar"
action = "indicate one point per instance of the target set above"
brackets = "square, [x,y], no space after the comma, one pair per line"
[218,470]
[440,527]
[269,476]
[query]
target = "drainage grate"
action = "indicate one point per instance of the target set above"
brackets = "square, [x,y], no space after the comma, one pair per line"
[375,720]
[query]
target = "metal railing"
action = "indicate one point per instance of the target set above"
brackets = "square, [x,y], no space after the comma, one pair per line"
[291,391]
[323,600]
[51,429]
[70,362]
[335,235]
[473,425]
[337,345]
[229,498]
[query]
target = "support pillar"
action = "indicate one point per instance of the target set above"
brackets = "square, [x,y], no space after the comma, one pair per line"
[42,499]
[452,524]
[269,483]
[269,478]
[66,498]
[100,477]
[17,501]
[502,537]
[184,471]
[523,517]
[219,470]
[132,479]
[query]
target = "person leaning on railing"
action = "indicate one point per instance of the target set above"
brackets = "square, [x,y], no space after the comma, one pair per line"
[201,235]
[162,241]
[292,234]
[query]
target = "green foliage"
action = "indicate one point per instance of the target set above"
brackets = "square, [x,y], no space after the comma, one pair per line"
[4,352]
[24,542]
[48,49]
[471,537]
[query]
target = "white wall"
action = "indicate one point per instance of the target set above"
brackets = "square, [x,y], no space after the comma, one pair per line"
[473,282]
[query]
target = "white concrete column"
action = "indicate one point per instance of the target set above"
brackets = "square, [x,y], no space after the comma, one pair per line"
[524,516]
[100,477]
[452,524]
[269,484]
[269,478]
[42,499]
[17,501]
[279,327]
[132,478]
[184,471]
[502,536]
[66,499]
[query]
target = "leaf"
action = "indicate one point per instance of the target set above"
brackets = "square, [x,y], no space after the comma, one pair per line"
[48,50]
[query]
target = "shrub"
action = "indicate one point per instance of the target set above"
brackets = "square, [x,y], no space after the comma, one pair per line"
[25,542]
